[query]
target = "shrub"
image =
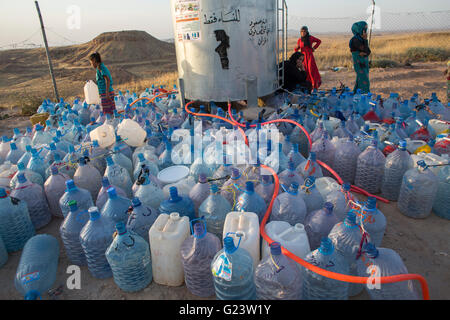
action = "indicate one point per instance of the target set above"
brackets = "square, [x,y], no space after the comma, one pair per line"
[419,54]
[384,63]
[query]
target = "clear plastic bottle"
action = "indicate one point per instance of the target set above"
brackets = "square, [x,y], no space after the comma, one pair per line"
[34,196]
[129,258]
[310,167]
[26,157]
[319,223]
[176,203]
[149,193]
[36,164]
[151,166]
[88,177]
[97,157]
[441,206]
[290,176]
[289,207]
[15,222]
[373,221]
[418,191]
[103,193]
[95,238]
[370,169]
[54,189]
[197,253]
[29,174]
[346,237]
[70,233]
[250,201]
[346,158]
[295,156]
[118,176]
[317,287]
[3,253]
[36,272]
[266,189]
[14,154]
[141,218]
[277,277]
[385,262]
[312,197]
[200,192]
[214,209]
[116,207]
[233,273]
[81,196]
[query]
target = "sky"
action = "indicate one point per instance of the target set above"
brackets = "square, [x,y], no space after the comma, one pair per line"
[20,22]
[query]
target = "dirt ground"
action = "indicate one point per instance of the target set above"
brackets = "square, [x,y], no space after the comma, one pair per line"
[423,244]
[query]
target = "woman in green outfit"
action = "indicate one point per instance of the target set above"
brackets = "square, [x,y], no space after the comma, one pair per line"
[359,47]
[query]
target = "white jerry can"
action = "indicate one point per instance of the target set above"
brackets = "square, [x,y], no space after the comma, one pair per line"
[166,236]
[132,133]
[104,134]
[91,93]
[245,224]
[292,238]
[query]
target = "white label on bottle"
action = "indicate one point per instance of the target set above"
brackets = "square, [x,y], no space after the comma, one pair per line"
[222,268]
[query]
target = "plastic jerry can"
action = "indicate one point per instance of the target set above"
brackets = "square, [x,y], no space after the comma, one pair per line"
[104,134]
[166,236]
[91,93]
[132,133]
[244,225]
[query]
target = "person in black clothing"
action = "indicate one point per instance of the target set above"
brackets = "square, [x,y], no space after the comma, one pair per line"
[295,74]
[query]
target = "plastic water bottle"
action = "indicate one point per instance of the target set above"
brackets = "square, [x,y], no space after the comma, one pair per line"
[88,177]
[266,189]
[40,137]
[70,233]
[339,201]
[200,192]
[370,169]
[397,163]
[289,207]
[385,262]
[15,222]
[34,196]
[14,154]
[54,189]
[116,207]
[97,157]
[149,193]
[81,196]
[250,201]
[373,221]
[118,176]
[197,253]
[295,156]
[441,206]
[165,159]
[311,195]
[144,164]
[176,203]
[26,157]
[346,158]
[310,167]
[278,277]
[103,193]
[290,176]
[96,237]
[141,218]
[318,132]
[123,147]
[324,149]
[214,209]
[36,272]
[317,287]
[122,160]
[29,174]
[346,237]
[319,223]
[3,253]
[232,269]
[36,164]
[418,191]
[129,258]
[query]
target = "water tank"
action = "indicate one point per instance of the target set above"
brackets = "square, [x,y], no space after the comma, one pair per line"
[226,46]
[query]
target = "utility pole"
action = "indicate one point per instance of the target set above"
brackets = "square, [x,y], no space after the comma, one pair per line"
[50,66]
[371,21]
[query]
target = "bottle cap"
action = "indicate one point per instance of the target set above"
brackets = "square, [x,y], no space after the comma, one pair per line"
[70,184]
[135,202]
[121,228]
[328,206]
[228,245]
[326,246]
[275,248]
[54,170]
[112,193]
[94,213]
[21,178]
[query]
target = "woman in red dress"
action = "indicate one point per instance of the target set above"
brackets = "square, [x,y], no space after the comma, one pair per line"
[305,45]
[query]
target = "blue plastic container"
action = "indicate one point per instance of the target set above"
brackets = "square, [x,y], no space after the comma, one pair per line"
[215,209]
[289,206]
[118,176]
[250,201]
[370,169]
[441,206]
[81,196]
[36,272]
[373,220]
[141,218]
[319,223]
[116,207]
[176,203]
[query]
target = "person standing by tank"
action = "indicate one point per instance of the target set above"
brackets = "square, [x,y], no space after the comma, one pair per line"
[104,83]
[307,44]
[359,47]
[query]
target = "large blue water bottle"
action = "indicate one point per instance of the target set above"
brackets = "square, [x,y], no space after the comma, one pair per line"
[311,195]
[370,169]
[214,209]
[129,258]
[319,223]
[310,167]
[96,237]
[317,287]
[176,203]
[232,269]
[70,233]
[141,218]
[441,206]
[346,158]
[397,163]
[250,201]
[15,222]
[3,253]
[346,237]
[289,206]
[277,277]
[265,189]
[117,207]
[81,196]
[325,150]
[373,221]
[197,253]
[54,189]
[118,176]
[37,268]
[34,196]
[418,191]
[36,163]
[290,176]
[383,262]
[200,191]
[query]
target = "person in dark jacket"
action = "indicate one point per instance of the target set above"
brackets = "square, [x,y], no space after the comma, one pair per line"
[295,74]
[359,47]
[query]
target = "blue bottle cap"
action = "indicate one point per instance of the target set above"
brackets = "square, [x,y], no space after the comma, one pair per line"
[109,161]
[135,202]
[312,156]
[70,184]
[121,228]
[3,193]
[141,157]
[228,245]
[54,170]
[16,131]
[346,186]
[350,218]
[371,251]
[21,178]
[73,205]
[328,206]
[13,146]
[105,182]
[214,188]
[326,246]
[402,145]
[21,166]
[371,203]
[28,148]
[275,248]
[174,197]
[112,193]
[199,230]
[32,295]
[94,213]
[249,186]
